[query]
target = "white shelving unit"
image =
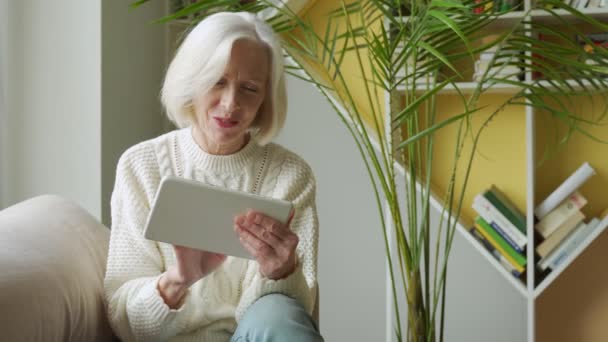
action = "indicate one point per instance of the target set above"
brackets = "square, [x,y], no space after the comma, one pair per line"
[525,287]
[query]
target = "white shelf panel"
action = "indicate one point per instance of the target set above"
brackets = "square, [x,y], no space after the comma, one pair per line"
[460,227]
[546,17]
[575,85]
[578,251]
[505,20]
[468,87]
[508,19]
[501,17]
[483,251]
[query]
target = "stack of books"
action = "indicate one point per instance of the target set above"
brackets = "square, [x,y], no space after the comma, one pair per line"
[501,228]
[561,223]
[495,6]
[497,70]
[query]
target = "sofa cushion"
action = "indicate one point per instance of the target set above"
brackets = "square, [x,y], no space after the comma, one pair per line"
[52,261]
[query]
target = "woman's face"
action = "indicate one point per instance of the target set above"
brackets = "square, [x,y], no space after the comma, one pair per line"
[226,111]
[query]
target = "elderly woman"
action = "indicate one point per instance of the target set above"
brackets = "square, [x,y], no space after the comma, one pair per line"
[226,88]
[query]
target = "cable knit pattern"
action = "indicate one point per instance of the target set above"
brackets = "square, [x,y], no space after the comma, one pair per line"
[214,304]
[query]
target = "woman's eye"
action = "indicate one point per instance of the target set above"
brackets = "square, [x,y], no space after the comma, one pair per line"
[220,82]
[251,89]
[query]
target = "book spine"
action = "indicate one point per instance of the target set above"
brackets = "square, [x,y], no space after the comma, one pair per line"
[578,237]
[564,190]
[514,269]
[557,217]
[489,213]
[518,221]
[566,246]
[499,243]
[592,235]
[560,234]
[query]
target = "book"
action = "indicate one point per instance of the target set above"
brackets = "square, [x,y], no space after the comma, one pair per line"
[560,234]
[556,218]
[597,229]
[556,257]
[499,243]
[570,185]
[500,223]
[506,207]
[514,269]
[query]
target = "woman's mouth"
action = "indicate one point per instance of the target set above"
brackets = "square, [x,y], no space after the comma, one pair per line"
[225,123]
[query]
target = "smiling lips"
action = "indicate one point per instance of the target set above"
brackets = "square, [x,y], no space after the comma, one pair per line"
[225,123]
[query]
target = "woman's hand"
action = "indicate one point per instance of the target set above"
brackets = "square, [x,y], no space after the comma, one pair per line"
[194,264]
[191,265]
[272,243]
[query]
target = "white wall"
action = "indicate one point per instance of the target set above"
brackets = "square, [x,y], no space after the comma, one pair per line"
[55,98]
[351,248]
[83,79]
[133,65]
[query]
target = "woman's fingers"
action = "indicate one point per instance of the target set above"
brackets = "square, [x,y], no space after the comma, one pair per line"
[261,233]
[254,245]
[271,225]
[268,231]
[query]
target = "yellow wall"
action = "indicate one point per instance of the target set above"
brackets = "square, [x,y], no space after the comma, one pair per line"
[500,157]
[317,14]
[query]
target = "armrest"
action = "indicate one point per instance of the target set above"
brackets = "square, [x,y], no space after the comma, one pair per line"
[52,256]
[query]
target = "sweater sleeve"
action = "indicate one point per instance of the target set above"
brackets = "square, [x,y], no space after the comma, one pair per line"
[136,310]
[296,184]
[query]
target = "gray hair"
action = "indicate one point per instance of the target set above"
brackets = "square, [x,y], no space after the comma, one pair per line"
[201,60]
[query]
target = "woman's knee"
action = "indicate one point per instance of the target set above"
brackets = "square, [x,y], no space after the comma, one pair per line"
[276,317]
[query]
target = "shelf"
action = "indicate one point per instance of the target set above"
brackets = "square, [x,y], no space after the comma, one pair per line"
[511,278]
[547,18]
[505,20]
[468,87]
[460,228]
[575,85]
[579,250]
[540,15]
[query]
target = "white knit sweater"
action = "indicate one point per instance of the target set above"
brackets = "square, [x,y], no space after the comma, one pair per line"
[214,304]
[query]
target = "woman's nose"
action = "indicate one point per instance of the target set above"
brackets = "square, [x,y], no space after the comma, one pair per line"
[230,101]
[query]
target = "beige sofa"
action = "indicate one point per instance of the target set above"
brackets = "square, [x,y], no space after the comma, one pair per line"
[52,262]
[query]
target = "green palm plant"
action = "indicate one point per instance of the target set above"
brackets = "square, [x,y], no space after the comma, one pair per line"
[415,58]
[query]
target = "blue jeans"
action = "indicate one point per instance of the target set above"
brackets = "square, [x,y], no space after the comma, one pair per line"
[276,317]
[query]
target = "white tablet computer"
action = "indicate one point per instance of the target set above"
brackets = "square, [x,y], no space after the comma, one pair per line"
[193,214]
